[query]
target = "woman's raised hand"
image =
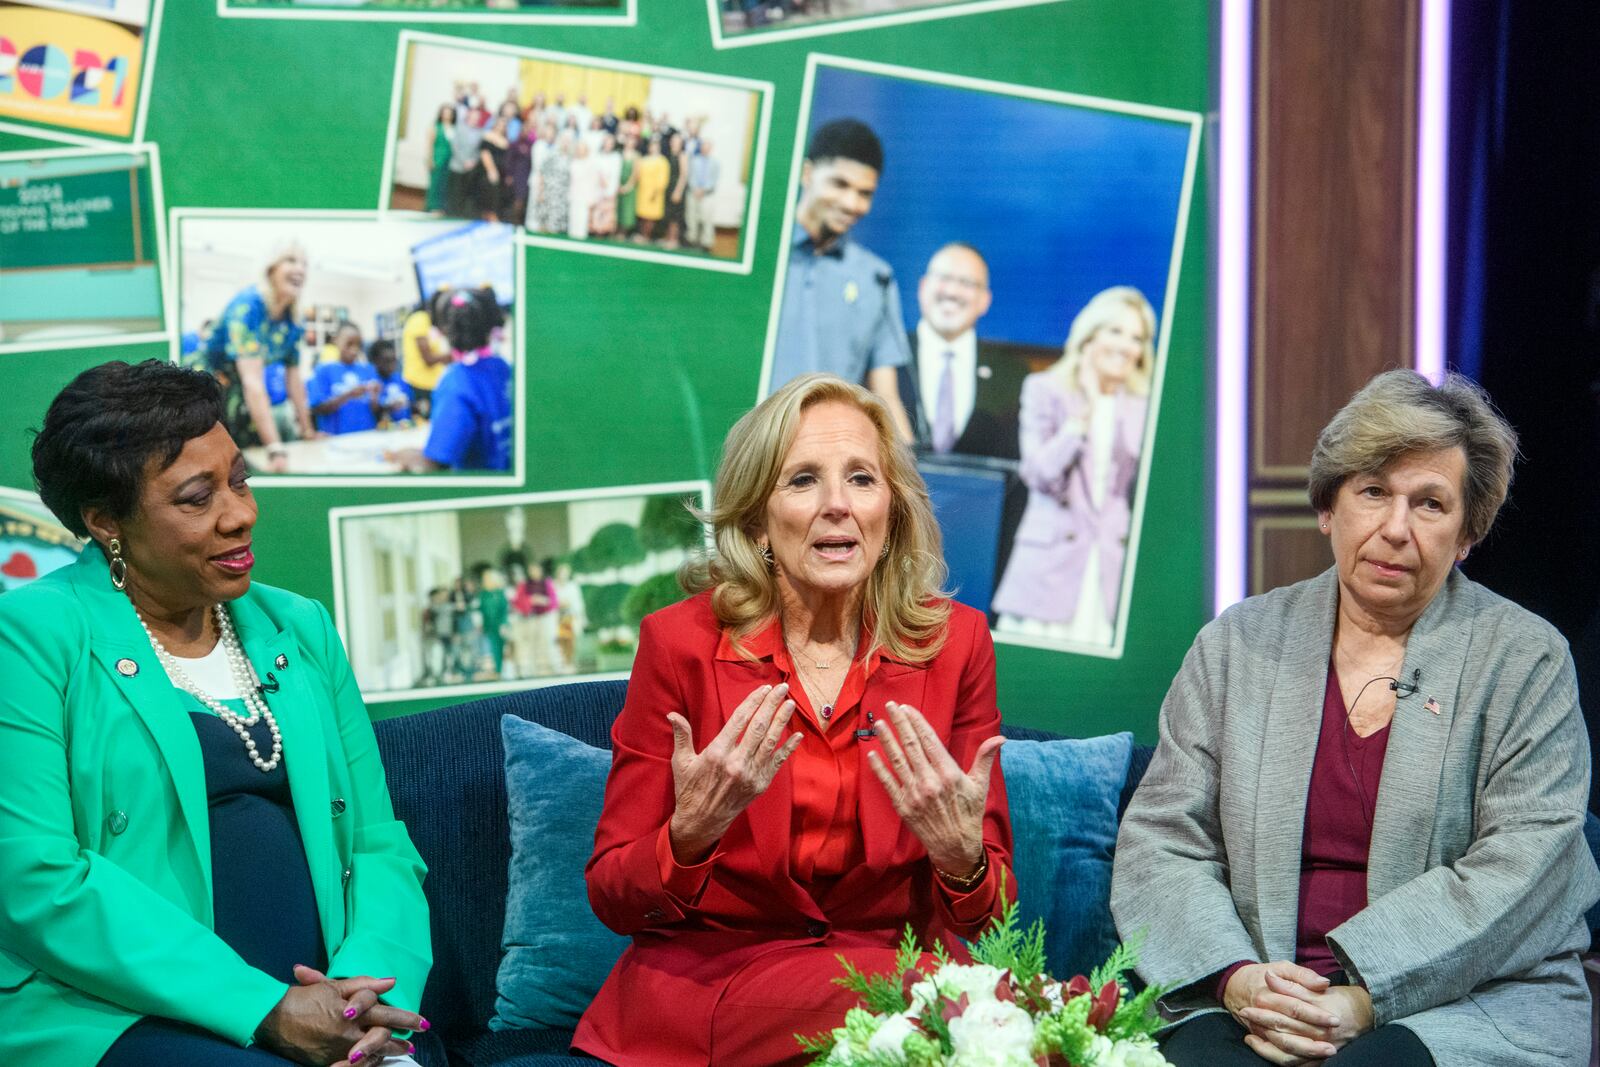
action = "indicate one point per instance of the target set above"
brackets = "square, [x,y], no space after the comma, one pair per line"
[714,786]
[943,805]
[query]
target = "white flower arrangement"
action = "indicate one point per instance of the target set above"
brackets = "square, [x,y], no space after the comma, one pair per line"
[1001,1010]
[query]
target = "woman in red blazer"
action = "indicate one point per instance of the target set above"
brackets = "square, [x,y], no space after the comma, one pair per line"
[806,759]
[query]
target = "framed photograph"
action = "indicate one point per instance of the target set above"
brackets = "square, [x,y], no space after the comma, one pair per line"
[735,23]
[77,70]
[488,12]
[32,541]
[579,154]
[356,348]
[82,248]
[489,594]
[1006,286]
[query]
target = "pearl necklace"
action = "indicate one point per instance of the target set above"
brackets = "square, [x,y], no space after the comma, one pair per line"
[244,677]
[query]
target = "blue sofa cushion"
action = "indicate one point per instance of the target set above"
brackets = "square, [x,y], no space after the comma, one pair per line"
[1064,798]
[557,953]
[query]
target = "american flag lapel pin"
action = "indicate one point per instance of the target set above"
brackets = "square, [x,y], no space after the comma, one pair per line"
[1432,705]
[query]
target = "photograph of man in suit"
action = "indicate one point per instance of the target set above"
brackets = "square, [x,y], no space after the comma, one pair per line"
[961,394]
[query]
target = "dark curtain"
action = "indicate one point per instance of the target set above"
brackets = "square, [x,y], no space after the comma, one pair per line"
[1525,295]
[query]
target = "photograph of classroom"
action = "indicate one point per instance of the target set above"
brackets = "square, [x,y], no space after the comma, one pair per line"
[580,151]
[79,248]
[354,345]
[507,590]
[754,19]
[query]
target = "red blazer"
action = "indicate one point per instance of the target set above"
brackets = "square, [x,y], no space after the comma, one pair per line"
[655,1007]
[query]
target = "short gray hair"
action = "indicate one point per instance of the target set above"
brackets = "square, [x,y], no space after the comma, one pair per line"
[1401,412]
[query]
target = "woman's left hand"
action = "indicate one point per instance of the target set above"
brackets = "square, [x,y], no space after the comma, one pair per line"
[943,805]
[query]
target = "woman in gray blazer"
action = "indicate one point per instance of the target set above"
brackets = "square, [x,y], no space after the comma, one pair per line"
[1360,840]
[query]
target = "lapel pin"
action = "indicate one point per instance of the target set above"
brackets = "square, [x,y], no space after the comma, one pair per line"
[281,662]
[851,292]
[1432,705]
[127,668]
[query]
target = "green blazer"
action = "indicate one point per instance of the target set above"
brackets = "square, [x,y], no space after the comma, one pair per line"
[105,849]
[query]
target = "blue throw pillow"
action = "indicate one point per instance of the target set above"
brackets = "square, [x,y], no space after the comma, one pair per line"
[1063,797]
[556,952]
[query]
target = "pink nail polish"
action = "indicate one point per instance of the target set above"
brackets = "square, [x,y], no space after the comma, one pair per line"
[410,1047]
[357,1056]
[349,1013]
[425,1025]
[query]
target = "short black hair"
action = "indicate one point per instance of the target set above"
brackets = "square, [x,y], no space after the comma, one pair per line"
[469,318]
[846,139]
[105,427]
[380,349]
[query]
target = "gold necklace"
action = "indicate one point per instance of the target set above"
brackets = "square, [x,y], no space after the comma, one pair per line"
[818,664]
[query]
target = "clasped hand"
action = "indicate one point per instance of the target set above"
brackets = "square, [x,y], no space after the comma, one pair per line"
[942,804]
[1294,1015]
[338,1022]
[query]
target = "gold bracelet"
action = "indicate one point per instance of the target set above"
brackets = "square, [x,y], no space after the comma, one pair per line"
[970,880]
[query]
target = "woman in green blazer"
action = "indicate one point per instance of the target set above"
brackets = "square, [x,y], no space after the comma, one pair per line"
[199,862]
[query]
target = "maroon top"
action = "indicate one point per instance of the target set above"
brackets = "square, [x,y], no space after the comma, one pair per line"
[1338,833]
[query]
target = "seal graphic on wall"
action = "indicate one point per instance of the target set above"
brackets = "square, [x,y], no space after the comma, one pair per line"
[32,542]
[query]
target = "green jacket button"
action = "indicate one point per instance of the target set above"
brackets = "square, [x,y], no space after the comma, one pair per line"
[337,806]
[117,821]
[344,879]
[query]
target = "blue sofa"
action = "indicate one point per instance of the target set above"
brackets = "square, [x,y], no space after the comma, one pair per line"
[446,774]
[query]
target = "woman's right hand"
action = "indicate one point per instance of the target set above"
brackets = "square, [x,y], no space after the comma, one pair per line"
[311,1025]
[714,786]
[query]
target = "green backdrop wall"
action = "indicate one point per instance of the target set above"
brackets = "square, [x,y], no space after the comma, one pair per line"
[636,370]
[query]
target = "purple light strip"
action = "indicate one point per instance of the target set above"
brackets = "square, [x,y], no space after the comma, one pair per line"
[1433,188]
[1230,539]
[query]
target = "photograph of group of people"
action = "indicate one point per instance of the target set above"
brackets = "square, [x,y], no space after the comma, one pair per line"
[352,345]
[81,248]
[496,592]
[607,154]
[1023,357]
[752,21]
[572,12]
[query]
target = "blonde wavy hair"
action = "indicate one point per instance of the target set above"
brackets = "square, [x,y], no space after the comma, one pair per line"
[1099,311]
[904,603]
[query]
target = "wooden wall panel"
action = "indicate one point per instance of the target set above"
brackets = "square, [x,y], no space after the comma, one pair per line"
[1335,150]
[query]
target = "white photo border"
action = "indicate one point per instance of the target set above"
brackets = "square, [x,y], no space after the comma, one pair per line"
[628,16]
[720,40]
[559,496]
[1193,119]
[163,265]
[264,480]
[752,208]
[151,39]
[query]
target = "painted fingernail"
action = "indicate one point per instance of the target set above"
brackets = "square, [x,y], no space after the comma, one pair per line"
[349,1013]
[425,1024]
[410,1047]
[357,1056]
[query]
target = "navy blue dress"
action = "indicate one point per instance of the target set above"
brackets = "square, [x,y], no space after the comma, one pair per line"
[264,905]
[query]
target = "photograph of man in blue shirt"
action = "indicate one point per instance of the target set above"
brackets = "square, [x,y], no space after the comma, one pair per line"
[841,306]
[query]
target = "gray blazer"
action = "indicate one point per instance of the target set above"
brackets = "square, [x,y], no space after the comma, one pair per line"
[1478,875]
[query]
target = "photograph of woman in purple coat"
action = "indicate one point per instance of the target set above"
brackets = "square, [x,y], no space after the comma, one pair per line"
[1081,436]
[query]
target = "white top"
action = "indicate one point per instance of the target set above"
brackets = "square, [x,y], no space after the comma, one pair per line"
[930,367]
[1102,434]
[212,674]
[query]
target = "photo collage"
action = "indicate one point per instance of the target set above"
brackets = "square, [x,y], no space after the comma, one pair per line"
[388,338]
